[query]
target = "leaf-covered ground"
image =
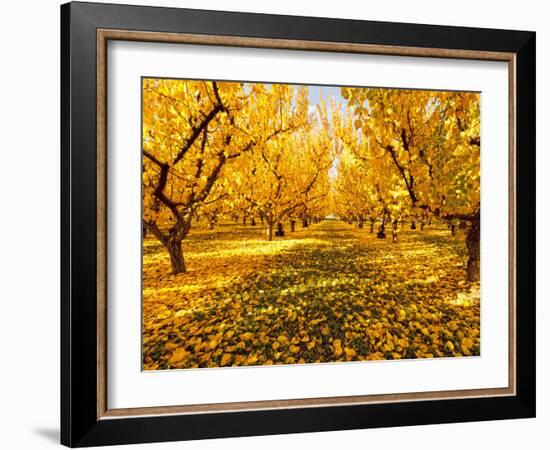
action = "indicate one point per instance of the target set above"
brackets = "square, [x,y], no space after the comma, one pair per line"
[326,293]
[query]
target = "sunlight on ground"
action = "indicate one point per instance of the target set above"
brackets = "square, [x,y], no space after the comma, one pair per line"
[469,298]
[254,247]
[329,292]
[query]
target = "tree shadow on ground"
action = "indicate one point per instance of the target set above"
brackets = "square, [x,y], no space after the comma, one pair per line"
[341,289]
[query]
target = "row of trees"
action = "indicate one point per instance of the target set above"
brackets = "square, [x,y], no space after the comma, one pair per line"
[210,147]
[257,150]
[412,154]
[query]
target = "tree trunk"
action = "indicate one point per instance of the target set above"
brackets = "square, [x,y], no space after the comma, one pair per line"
[176,257]
[453,230]
[381,231]
[413,225]
[292,225]
[253,222]
[304,222]
[360,222]
[372,226]
[269,232]
[244,220]
[172,241]
[472,243]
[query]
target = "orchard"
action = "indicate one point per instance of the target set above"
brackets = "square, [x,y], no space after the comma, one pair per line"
[281,228]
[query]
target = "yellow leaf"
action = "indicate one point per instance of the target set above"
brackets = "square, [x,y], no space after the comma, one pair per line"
[337,347]
[246,336]
[178,356]
[226,358]
[350,352]
[467,343]
[452,325]
[283,339]
[215,341]
[402,315]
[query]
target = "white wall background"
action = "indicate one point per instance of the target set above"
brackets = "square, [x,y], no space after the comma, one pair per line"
[29,229]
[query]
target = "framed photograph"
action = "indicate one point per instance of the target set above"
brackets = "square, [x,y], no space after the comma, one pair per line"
[277,224]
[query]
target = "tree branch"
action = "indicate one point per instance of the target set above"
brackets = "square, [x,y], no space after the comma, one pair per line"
[408,182]
[196,131]
[153,158]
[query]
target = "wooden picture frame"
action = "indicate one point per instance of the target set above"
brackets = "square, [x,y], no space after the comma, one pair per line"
[86,419]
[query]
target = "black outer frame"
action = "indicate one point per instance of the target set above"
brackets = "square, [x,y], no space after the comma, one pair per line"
[79,423]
